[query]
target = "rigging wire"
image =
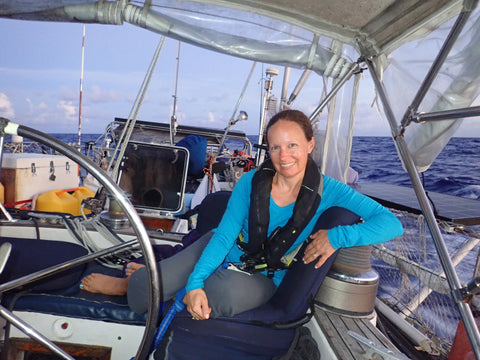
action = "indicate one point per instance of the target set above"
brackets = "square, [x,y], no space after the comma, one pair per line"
[173,118]
[435,211]
[132,117]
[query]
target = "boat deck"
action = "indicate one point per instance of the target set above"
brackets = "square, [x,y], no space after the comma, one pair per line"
[451,208]
[346,347]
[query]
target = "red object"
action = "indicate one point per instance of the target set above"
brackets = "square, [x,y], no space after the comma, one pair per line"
[24,204]
[461,348]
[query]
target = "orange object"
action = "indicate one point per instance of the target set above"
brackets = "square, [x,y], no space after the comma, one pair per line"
[67,201]
[2,193]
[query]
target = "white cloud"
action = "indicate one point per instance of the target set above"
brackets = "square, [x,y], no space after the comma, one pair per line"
[29,109]
[68,108]
[211,117]
[96,94]
[6,107]
[39,119]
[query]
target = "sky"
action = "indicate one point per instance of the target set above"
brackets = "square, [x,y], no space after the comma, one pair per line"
[40,67]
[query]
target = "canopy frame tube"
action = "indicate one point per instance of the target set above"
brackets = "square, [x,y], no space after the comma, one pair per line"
[439,242]
[451,39]
[447,114]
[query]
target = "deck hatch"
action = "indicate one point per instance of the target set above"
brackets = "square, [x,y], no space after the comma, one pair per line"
[154,176]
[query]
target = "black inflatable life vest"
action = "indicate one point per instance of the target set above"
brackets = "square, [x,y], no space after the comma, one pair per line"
[267,253]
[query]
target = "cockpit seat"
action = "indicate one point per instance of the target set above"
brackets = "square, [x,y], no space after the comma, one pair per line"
[262,333]
[62,295]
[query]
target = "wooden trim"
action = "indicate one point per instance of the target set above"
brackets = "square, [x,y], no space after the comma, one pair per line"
[94,352]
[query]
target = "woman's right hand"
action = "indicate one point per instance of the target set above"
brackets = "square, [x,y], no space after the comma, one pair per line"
[197,304]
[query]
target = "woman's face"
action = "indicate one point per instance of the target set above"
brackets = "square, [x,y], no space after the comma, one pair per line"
[289,148]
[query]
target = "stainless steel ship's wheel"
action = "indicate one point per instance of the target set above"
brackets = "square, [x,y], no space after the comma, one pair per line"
[7,127]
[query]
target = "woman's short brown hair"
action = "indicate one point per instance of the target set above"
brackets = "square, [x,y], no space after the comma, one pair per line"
[295,116]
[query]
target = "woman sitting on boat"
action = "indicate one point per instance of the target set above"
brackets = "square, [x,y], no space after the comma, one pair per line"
[277,205]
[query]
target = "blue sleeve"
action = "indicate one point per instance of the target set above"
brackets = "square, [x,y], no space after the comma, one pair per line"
[378,223]
[225,235]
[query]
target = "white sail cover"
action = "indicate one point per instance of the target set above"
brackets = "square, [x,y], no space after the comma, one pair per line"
[308,34]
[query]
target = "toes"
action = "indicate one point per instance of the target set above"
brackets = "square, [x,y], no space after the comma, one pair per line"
[135,266]
[87,281]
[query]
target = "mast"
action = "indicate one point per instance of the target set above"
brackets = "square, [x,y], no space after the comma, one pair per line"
[81,90]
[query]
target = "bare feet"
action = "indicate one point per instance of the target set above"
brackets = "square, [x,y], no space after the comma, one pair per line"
[104,284]
[132,267]
[109,285]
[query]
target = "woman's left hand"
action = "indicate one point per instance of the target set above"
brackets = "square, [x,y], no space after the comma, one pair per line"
[319,248]
[197,304]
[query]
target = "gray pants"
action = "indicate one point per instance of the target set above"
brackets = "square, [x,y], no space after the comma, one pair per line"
[228,292]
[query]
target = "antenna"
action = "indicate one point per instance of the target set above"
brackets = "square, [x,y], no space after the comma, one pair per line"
[270,72]
[81,90]
[173,118]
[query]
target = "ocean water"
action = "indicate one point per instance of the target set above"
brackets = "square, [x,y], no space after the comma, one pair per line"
[456,171]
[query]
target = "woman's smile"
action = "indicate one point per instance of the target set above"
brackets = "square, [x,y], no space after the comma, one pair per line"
[289,149]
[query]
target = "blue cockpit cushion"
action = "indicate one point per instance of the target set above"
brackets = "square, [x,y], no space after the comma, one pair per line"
[73,302]
[31,255]
[211,210]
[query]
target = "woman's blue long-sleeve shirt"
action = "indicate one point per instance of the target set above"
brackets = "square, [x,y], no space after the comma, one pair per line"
[379,225]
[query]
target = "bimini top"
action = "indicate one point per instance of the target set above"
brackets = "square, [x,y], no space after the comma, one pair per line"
[281,32]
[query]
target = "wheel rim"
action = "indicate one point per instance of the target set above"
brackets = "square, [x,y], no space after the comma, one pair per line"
[135,221]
